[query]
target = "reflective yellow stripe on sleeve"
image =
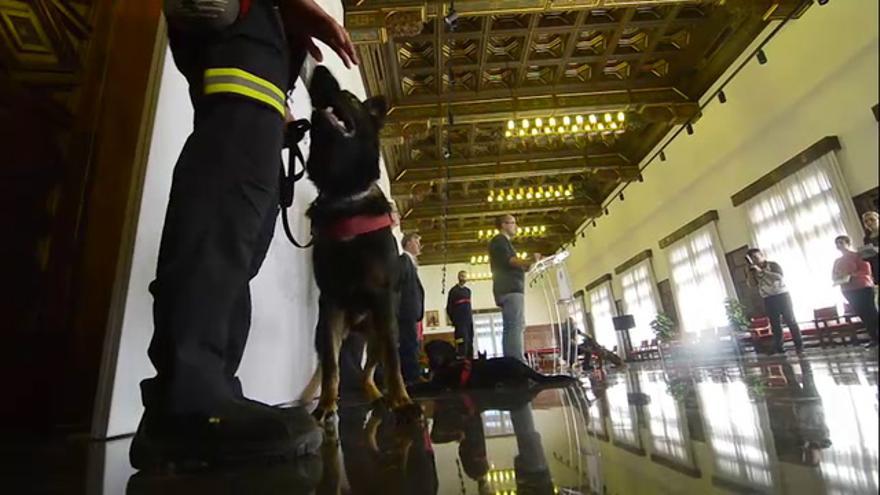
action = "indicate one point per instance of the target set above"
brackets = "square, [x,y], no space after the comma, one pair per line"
[237,81]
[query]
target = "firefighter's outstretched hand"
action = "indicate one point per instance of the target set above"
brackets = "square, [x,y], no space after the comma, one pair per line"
[305,19]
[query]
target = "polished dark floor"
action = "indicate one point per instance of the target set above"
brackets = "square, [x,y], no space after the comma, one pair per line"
[783,425]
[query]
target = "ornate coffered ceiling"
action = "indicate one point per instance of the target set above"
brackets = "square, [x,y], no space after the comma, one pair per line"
[535,59]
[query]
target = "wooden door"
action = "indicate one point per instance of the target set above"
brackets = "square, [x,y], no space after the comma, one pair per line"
[72,121]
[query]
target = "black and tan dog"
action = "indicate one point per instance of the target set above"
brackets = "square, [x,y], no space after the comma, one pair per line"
[449,372]
[355,253]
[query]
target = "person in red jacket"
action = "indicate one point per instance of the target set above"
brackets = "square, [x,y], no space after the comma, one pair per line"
[853,274]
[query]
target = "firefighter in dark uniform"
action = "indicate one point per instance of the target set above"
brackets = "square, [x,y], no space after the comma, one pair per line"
[458,308]
[218,226]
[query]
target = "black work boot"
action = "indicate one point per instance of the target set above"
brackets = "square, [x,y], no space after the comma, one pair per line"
[233,432]
[303,426]
[300,475]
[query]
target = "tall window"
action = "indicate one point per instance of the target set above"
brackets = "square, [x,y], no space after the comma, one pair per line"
[699,280]
[640,299]
[667,423]
[623,415]
[576,311]
[487,333]
[736,434]
[795,222]
[602,309]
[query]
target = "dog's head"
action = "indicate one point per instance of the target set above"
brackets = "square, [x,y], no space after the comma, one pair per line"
[440,354]
[344,156]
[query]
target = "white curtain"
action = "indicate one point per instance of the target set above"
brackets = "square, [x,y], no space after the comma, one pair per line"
[700,280]
[795,222]
[602,309]
[640,300]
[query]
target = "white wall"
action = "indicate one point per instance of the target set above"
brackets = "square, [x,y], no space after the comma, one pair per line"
[280,357]
[821,79]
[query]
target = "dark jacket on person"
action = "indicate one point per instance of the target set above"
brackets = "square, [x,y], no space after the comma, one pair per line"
[458,306]
[873,260]
[506,278]
[412,295]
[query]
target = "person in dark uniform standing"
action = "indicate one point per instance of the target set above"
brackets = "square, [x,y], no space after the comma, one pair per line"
[458,308]
[411,309]
[218,226]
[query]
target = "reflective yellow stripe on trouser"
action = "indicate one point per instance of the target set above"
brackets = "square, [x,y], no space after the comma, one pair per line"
[240,82]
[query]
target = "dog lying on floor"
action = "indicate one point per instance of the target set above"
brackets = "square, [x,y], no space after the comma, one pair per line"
[355,254]
[450,373]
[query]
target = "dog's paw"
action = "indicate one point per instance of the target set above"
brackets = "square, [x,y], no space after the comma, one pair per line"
[325,417]
[408,414]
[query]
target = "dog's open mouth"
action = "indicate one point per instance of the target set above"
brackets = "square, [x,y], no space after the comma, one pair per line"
[339,121]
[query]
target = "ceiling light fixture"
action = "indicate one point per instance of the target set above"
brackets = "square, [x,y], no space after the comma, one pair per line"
[567,125]
[551,192]
[762,57]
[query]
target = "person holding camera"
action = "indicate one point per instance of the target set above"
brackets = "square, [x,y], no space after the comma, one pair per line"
[767,276]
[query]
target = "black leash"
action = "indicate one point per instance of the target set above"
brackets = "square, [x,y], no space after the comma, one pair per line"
[295,132]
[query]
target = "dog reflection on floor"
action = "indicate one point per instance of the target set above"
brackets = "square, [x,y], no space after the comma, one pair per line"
[379,455]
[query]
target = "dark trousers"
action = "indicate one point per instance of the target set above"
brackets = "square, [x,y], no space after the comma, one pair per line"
[862,302]
[218,226]
[464,339]
[351,355]
[408,348]
[778,307]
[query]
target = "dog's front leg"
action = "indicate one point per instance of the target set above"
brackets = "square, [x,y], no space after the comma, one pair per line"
[331,326]
[371,391]
[385,336]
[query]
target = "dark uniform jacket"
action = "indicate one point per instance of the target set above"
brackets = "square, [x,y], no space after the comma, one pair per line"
[412,294]
[458,306]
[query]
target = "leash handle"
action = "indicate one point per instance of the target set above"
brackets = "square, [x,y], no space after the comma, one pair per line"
[294,133]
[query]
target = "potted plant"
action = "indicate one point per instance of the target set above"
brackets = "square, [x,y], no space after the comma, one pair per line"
[664,328]
[736,315]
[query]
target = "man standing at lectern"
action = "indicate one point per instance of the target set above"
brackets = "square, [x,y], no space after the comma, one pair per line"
[508,285]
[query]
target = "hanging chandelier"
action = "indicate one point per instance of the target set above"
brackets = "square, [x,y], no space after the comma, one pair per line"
[484,258]
[526,231]
[540,193]
[567,125]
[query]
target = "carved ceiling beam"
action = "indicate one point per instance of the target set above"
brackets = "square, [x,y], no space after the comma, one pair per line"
[463,236]
[362,14]
[433,255]
[481,209]
[506,171]
[654,104]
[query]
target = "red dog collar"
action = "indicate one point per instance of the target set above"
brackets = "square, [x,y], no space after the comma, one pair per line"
[357,225]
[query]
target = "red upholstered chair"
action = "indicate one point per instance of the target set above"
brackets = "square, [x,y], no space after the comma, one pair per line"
[830,324]
[776,377]
[760,327]
[760,333]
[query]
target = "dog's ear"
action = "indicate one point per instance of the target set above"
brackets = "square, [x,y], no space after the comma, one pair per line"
[377,107]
